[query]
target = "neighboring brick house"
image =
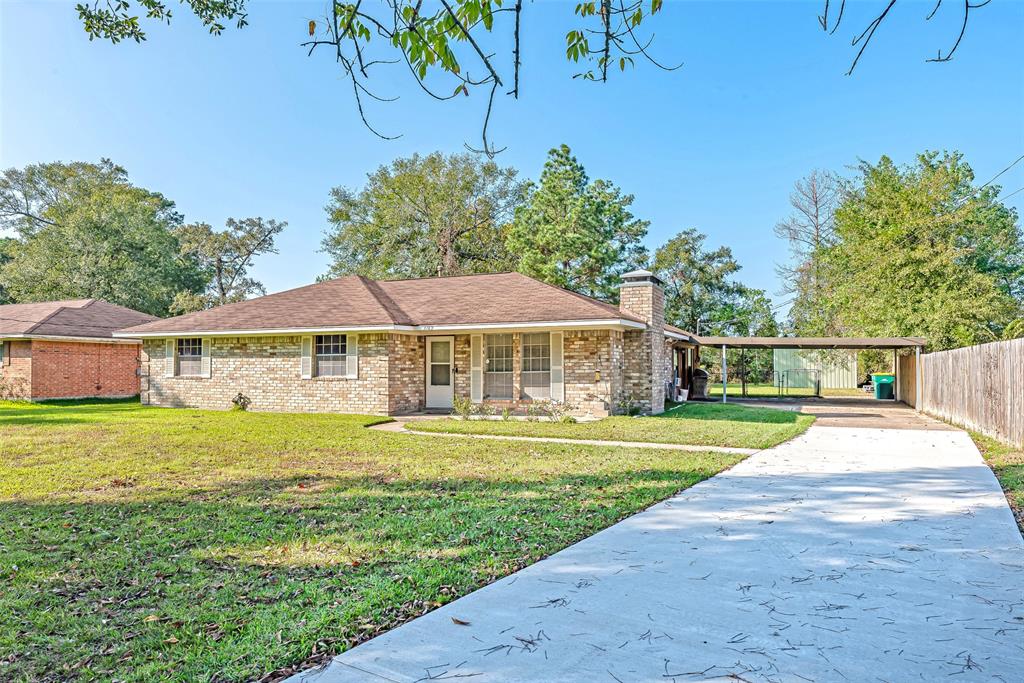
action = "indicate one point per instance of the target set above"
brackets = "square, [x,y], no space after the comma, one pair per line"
[66,349]
[357,345]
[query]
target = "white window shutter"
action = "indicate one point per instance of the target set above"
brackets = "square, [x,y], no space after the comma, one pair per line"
[206,367]
[169,359]
[557,372]
[476,368]
[352,359]
[306,364]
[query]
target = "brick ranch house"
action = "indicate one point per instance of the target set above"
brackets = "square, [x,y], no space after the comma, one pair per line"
[357,345]
[66,349]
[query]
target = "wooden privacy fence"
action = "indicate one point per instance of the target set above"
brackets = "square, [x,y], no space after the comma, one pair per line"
[977,387]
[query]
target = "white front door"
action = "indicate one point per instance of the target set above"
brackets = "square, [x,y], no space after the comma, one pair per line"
[440,372]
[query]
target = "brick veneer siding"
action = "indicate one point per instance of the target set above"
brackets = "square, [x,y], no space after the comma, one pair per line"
[391,379]
[645,349]
[593,371]
[41,369]
[585,353]
[16,370]
[266,369]
[81,369]
[406,375]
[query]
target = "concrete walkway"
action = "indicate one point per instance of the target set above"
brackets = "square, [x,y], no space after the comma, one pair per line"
[399,426]
[847,554]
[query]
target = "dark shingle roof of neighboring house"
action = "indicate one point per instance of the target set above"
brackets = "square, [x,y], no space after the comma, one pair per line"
[79,318]
[354,301]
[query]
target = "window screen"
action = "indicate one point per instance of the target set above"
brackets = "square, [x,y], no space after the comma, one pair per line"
[537,365]
[190,356]
[331,351]
[498,366]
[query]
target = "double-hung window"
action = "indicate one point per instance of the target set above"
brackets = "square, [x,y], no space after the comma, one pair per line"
[190,356]
[331,355]
[536,366]
[498,366]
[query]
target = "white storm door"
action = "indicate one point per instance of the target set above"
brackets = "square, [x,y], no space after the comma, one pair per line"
[440,372]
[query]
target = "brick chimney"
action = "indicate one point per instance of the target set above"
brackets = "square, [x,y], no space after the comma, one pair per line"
[642,294]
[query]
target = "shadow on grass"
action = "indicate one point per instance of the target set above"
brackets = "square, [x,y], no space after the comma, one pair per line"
[227,570]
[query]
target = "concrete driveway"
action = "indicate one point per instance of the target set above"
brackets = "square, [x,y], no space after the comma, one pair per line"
[848,554]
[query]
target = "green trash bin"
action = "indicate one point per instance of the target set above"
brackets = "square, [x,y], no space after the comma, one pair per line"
[884,384]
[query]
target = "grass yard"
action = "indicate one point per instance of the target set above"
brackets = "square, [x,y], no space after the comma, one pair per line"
[772,391]
[143,543]
[701,424]
[1008,464]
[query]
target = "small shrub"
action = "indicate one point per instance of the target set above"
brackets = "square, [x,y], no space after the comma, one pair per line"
[483,410]
[567,420]
[556,411]
[627,405]
[506,414]
[462,408]
[241,402]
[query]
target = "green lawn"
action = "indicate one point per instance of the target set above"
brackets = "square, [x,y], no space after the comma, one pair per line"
[772,391]
[700,424]
[142,543]
[1008,464]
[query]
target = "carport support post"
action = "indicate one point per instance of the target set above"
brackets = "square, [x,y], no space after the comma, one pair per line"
[725,382]
[918,378]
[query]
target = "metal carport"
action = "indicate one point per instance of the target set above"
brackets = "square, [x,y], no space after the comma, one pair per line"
[857,343]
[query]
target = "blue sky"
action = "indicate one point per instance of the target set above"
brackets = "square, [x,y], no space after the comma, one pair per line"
[246,124]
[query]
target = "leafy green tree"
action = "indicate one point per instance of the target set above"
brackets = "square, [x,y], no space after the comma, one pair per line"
[225,256]
[450,49]
[443,43]
[424,216]
[700,293]
[83,230]
[920,250]
[575,233]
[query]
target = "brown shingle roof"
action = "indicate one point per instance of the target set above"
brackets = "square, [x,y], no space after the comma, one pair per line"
[356,301]
[680,331]
[72,318]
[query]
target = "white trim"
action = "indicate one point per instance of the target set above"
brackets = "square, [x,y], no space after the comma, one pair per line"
[449,394]
[680,337]
[476,368]
[92,340]
[511,327]
[206,359]
[306,353]
[352,356]
[170,357]
[556,383]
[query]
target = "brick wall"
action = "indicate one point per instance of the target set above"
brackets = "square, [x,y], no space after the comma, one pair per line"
[40,369]
[266,369]
[81,369]
[585,353]
[406,376]
[391,375]
[593,369]
[645,349]
[16,370]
